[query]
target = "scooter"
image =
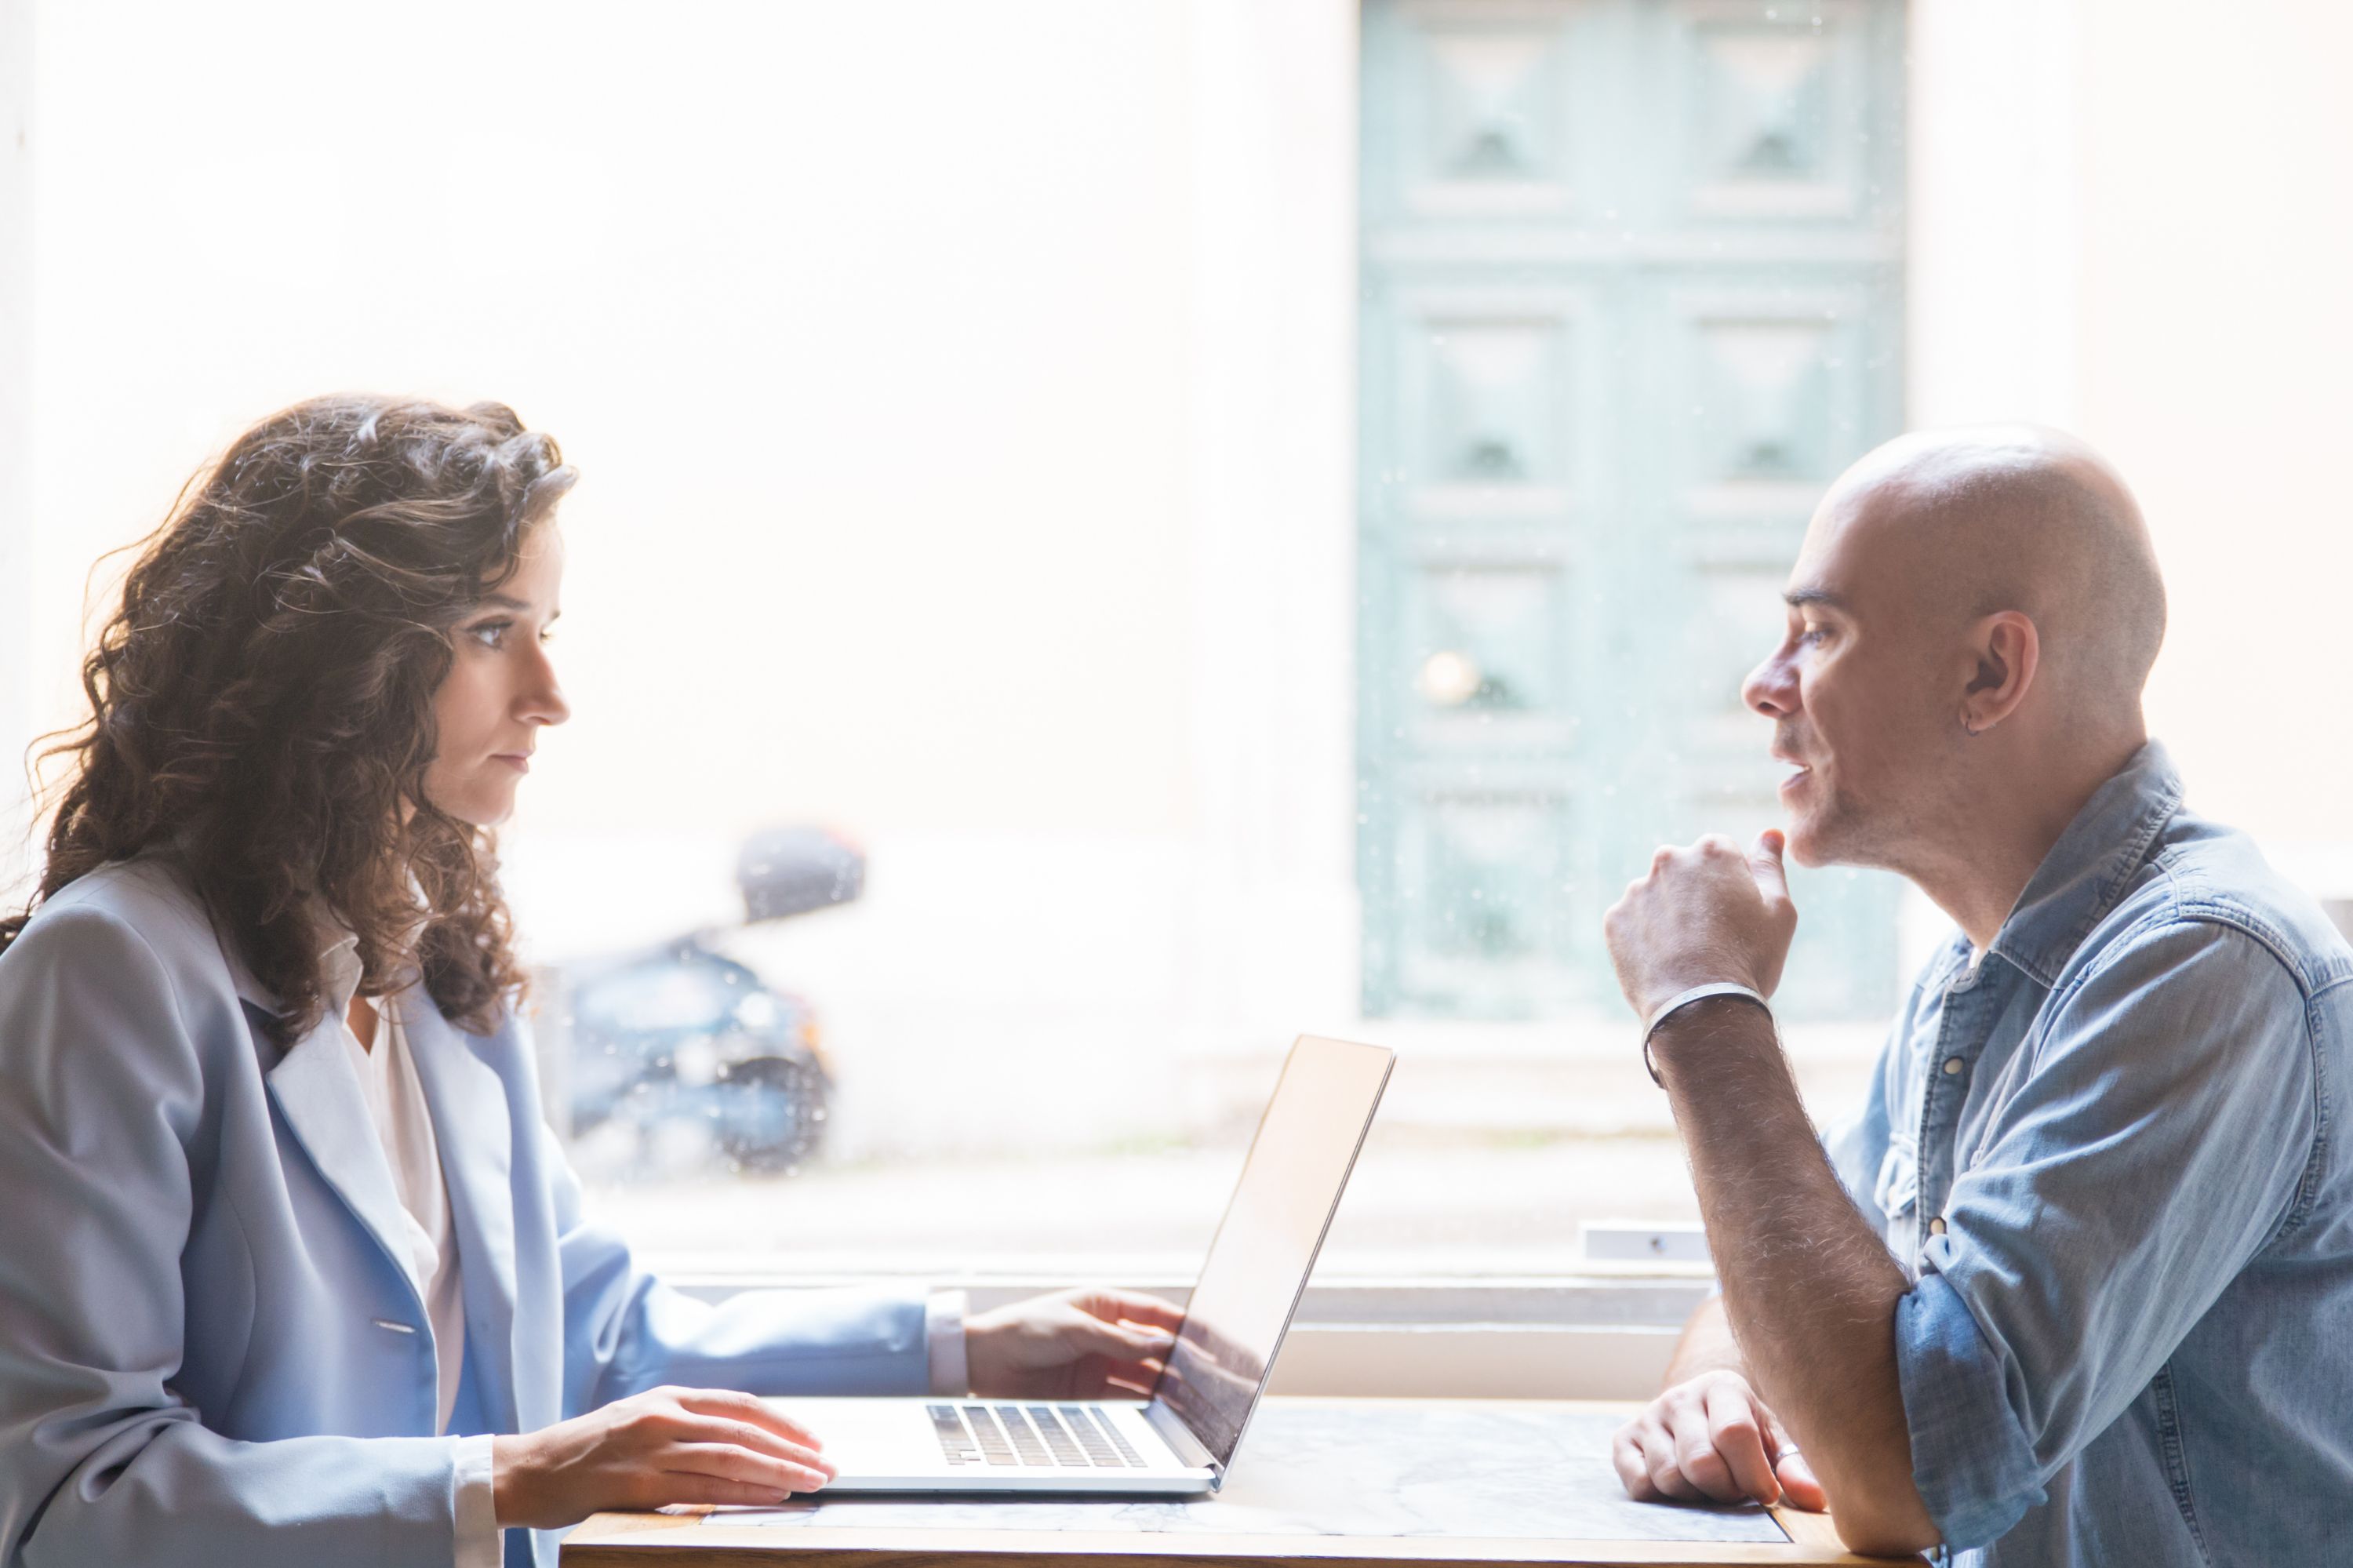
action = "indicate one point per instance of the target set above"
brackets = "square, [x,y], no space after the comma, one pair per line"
[683,1056]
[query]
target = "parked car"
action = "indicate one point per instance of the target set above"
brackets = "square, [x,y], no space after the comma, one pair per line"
[685,1055]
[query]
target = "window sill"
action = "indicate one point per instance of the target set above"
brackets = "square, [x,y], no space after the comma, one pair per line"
[1603,1333]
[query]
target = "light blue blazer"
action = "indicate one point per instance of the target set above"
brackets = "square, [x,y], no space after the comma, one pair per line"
[199,1246]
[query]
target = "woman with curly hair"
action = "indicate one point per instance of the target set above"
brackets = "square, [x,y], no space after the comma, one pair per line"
[293,1271]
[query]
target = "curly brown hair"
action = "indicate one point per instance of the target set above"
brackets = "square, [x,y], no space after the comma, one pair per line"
[262,700]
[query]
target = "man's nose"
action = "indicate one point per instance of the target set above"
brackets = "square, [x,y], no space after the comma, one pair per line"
[1771,688]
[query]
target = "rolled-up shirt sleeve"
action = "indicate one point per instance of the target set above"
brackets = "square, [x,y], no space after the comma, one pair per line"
[2157,1141]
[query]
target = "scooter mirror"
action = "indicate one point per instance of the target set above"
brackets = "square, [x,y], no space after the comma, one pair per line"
[791,871]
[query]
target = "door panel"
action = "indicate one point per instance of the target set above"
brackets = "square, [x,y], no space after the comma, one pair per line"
[1772,119]
[1631,297]
[1482,105]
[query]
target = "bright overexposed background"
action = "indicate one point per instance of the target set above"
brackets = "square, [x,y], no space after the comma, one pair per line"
[963,396]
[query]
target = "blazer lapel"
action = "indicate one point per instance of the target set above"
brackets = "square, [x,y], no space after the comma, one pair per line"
[468,1102]
[319,1095]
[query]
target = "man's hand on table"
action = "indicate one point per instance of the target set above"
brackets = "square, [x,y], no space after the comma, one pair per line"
[1073,1344]
[1712,1439]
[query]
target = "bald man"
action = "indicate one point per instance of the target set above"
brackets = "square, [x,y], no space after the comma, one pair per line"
[2076,1287]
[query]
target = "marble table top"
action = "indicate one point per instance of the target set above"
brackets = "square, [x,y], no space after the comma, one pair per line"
[1459,1470]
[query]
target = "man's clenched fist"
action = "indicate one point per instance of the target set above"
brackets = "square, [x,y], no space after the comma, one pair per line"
[1703,915]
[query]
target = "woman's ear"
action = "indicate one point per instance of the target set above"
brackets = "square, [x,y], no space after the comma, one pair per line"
[2006,649]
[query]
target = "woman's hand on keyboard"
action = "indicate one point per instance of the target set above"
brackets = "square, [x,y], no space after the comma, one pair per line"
[1074,1344]
[665,1446]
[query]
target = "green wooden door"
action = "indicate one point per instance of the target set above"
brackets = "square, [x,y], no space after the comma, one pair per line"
[1631,296]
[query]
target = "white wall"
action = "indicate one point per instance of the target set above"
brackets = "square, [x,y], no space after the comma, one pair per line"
[1273,587]
[2136,220]
[2216,329]
[15,408]
[867,330]
[1995,193]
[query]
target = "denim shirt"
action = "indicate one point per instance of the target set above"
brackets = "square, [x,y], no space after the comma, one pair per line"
[2106,1155]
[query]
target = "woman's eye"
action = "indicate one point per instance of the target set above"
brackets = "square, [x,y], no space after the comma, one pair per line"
[488,633]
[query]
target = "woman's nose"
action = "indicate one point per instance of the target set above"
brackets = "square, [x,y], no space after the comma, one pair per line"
[542,701]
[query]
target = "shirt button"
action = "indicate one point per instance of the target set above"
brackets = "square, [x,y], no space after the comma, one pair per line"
[1952,1065]
[1936,1226]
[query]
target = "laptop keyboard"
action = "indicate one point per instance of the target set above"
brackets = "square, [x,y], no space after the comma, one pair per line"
[1073,1437]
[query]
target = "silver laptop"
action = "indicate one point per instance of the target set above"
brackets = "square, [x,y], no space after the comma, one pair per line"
[1182,1440]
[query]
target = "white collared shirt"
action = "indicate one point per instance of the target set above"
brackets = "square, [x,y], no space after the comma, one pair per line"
[404,1127]
[395,1103]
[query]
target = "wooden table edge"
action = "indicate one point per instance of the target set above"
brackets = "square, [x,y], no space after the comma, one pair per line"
[653,1541]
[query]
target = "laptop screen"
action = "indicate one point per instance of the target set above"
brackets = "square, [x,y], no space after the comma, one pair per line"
[1266,1245]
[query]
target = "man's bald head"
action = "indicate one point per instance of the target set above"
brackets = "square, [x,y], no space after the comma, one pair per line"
[1956,586]
[2022,518]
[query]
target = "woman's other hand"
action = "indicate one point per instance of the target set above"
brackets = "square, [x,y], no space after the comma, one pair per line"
[665,1446]
[1074,1344]
[1711,1439]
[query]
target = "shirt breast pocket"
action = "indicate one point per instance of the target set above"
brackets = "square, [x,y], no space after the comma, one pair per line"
[1896,1194]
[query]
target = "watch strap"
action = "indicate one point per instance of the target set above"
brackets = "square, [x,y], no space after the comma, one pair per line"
[1684,998]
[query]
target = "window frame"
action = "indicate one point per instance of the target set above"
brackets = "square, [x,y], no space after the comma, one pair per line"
[1605,1333]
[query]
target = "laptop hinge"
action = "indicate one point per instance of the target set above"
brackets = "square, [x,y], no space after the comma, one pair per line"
[1180,1439]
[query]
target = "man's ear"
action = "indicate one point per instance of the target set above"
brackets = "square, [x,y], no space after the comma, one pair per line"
[2006,649]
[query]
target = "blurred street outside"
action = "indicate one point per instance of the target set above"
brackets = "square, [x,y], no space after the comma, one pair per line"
[1475,1168]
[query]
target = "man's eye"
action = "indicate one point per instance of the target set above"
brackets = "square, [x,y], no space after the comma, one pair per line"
[1812,634]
